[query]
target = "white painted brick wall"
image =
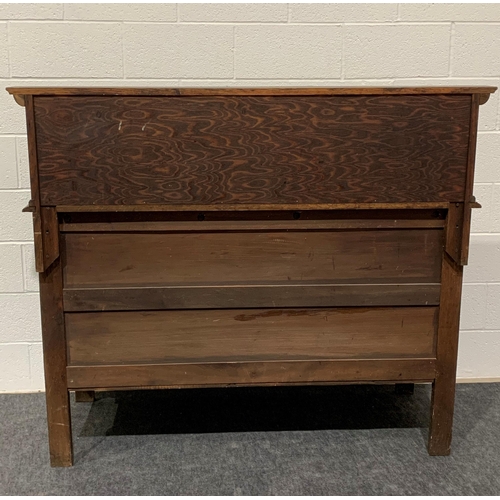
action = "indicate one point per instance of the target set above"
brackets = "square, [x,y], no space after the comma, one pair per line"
[244,45]
[396,51]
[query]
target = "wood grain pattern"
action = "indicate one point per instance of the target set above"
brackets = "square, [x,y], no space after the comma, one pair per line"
[243,225]
[443,387]
[251,373]
[35,187]
[249,335]
[199,91]
[219,297]
[50,236]
[216,237]
[54,357]
[260,207]
[267,257]
[252,149]
[453,231]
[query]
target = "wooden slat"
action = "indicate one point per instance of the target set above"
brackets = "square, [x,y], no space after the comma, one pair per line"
[219,297]
[50,236]
[179,91]
[262,207]
[54,354]
[260,149]
[254,373]
[453,231]
[443,391]
[35,185]
[275,225]
[249,335]
[268,257]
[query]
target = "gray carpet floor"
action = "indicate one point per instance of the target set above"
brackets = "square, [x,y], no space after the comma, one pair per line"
[340,440]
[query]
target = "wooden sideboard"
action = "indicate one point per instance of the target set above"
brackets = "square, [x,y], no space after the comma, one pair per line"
[221,237]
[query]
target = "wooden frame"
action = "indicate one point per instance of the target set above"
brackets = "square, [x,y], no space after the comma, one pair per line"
[53,223]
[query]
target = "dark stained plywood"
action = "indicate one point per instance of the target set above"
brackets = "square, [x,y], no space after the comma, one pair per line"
[266,257]
[251,373]
[214,297]
[249,335]
[252,149]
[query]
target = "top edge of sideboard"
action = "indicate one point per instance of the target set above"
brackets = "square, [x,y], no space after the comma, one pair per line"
[20,92]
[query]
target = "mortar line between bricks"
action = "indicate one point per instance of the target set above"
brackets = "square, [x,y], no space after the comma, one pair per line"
[234,52]
[29,362]
[8,50]
[342,52]
[250,23]
[15,81]
[22,342]
[18,171]
[15,242]
[483,330]
[122,29]
[450,53]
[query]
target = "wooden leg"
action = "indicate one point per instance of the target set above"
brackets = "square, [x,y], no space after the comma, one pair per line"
[443,388]
[404,389]
[84,396]
[54,353]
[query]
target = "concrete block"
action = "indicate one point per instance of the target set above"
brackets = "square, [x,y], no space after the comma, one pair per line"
[488,157]
[13,116]
[478,354]
[34,11]
[178,51]
[489,112]
[15,372]
[342,12]
[495,209]
[436,12]
[137,12]
[23,164]
[493,308]
[66,50]
[233,12]
[11,269]
[481,218]
[288,52]
[8,163]
[396,51]
[16,225]
[31,283]
[475,50]
[20,315]
[37,379]
[4,51]
[484,259]
[473,309]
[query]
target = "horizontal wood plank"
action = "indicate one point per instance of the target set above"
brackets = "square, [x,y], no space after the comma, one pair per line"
[236,149]
[179,91]
[253,373]
[249,335]
[262,207]
[220,297]
[267,257]
[274,225]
